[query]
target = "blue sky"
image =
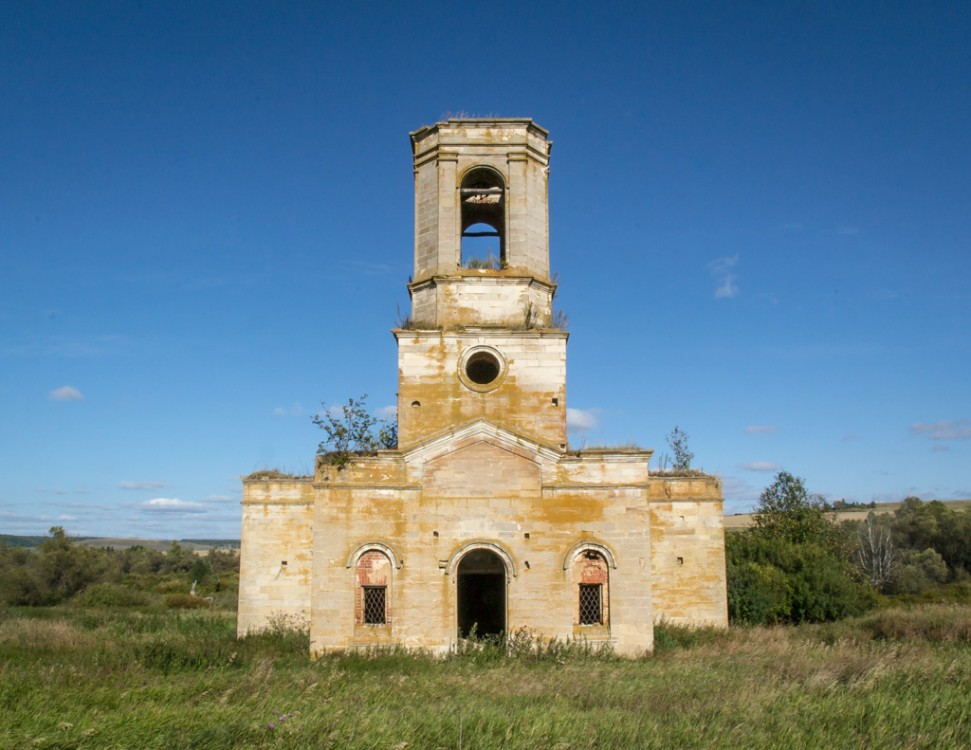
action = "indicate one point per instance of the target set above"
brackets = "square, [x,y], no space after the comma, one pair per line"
[760,218]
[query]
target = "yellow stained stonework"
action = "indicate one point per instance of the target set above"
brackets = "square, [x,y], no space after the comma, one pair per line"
[483,520]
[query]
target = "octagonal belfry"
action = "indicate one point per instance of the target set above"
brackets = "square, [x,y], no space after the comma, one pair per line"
[482,521]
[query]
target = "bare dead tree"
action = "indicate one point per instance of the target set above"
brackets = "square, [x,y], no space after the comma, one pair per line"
[875,552]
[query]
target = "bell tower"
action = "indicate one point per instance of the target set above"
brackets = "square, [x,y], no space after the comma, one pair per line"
[481,341]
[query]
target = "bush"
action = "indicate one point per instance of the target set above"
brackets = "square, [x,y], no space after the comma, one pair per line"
[185,601]
[915,572]
[110,595]
[773,580]
[757,593]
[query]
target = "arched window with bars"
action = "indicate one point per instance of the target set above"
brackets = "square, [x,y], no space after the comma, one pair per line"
[372,594]
[591,587]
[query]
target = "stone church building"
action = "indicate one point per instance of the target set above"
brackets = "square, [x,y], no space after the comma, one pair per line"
[483,520]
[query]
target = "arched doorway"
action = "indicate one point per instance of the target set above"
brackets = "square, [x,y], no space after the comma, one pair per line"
[481,594]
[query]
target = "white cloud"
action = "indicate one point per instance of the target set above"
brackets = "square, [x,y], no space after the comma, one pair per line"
[171,505]
[65,393]
[760,429]
[294,410]
[581,419]
[945,429]
[149,485]
[764,466]
[388,412]
[721,270]
[847,231]
[219,499]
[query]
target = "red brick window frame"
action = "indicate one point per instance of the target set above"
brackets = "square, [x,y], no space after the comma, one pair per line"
[591,589]
[372,592]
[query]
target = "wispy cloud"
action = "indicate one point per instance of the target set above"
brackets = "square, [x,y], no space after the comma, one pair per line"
[65,393]
[760,429]
[219,499]
[294,410]
[580,420]
[761,466]
[171,505]
[847,230]
[388,412]
[722,269]
[945,429]
[149,485]
[739,494]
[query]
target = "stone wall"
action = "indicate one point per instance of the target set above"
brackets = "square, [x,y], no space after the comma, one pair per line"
[530,399]
[275,552]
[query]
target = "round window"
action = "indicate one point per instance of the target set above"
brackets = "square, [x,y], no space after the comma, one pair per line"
[482,369]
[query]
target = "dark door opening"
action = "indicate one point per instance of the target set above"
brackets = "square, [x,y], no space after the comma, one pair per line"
[481,594]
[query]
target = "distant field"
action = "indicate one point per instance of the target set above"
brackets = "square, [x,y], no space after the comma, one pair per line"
[744,520]
[196,545]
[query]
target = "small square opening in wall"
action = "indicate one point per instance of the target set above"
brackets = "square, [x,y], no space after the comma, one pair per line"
[556,402]
[283,563]
[680,561]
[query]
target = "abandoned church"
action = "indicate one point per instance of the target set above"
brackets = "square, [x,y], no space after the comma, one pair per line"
[483,520]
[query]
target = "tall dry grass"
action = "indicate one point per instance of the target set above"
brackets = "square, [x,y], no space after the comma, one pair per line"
[894,679]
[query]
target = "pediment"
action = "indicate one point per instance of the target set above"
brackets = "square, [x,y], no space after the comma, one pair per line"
[483,432]
[481,470]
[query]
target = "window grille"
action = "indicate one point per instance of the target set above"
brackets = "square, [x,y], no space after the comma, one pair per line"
[374,605]
[591,604]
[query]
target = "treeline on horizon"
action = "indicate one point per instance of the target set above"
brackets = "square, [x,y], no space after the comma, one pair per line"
[796,564]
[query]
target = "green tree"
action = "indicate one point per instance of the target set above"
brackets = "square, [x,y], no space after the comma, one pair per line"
[352,429]
[788,511]
[793,565]
[677,440]
[919,526]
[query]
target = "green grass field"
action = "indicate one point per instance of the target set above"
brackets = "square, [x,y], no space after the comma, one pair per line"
[147,678]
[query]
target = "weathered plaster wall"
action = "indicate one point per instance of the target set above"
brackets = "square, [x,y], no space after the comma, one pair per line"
[275,552]
[531,398]
[490,494]
[482,297]
[688,566]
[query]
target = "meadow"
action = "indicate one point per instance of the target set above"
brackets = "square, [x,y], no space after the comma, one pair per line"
[149,677]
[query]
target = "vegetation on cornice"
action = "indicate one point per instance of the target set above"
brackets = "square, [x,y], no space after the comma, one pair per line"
[270,475]
[351,430]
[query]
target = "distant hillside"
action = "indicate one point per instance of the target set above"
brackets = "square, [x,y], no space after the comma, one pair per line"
[744,520]
[196,545]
